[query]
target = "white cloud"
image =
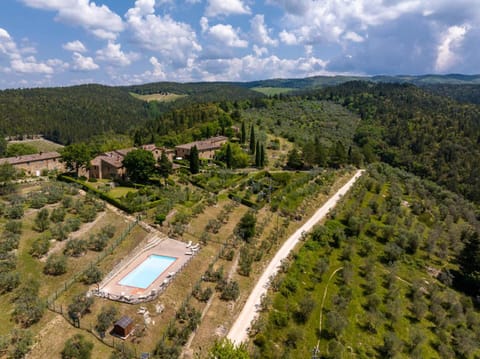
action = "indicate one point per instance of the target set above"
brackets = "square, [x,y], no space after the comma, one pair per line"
[30,65]
[312,21]
[83,63]
[204,23]
[226,7]
[260,51]
[260,32]
[254,67]
[158,71]
[450,40]
[353,36]
[175,41]
[21,64]
[288,38]
[227,35]
[114,55]
[75,46]
[97,19]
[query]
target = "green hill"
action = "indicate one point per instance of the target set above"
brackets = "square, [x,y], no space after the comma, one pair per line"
[377,280]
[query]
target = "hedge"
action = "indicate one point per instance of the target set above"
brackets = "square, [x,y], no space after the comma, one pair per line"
[88,188]
[244,201]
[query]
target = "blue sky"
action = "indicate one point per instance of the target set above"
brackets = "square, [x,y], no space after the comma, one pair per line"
[66,42]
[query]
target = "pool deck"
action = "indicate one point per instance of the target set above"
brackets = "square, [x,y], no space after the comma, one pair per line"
[112,289]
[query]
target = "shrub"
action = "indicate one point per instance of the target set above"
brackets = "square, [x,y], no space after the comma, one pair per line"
[55,265]
[14,227]
[92,275]
[105,319]
[231,291]
[15,211]
[75,247]
[73,224]
[9,281]
[40,247]
[246,227]
[41,220]
[80,306]
[57,215]
[97,242]
[77,348]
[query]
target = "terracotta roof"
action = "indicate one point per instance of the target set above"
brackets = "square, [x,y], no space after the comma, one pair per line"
[31,158]
[208,144]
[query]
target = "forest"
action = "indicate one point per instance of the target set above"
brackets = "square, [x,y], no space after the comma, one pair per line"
[403,125]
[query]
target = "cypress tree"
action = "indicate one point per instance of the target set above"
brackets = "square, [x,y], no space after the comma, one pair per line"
[243,134]
[194,160]
[262,156]
[229,156]
[252,140]
[257,155]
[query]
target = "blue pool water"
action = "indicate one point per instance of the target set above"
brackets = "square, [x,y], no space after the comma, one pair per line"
[147,272]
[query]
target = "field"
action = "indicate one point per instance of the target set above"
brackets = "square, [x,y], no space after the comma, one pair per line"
[376,280]
[160,97]
[270,91]
[40,145]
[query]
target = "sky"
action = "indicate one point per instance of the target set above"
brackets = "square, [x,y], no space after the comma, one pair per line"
[118,42]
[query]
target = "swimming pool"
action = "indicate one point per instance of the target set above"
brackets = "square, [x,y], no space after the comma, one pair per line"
[148,271]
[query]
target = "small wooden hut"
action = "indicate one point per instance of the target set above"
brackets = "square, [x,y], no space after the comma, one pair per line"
[123,327]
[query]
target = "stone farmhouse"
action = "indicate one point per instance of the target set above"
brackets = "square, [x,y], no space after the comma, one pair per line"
[206,148]
[33,165]
[110,164]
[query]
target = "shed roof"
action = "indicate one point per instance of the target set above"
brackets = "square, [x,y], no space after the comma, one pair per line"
[124,322]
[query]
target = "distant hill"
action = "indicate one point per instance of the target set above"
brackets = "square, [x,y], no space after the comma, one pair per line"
[197,91]
[324,81]
[77,113]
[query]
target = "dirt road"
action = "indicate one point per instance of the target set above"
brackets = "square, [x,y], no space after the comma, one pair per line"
[238,331]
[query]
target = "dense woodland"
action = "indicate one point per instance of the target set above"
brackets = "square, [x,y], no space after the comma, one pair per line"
[405,126]
[73,114]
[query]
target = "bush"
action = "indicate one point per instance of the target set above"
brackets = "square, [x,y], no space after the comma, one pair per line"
[14,227]
[57,215]
[75,248]
[80,306]
[40,247]
[105,319]
[60,231]
[55,265]
[246,227]
[77,348]
[41,220]
[92,275]
[15,212]
[29,307]
[231,291]
[9,281]
[73,224]
[97,242]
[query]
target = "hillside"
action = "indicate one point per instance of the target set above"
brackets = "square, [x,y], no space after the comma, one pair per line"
[69,114]
[405,126]
[377,280]
[197,92]
[72,114]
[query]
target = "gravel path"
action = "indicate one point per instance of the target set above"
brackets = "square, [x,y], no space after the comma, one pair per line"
[238,331]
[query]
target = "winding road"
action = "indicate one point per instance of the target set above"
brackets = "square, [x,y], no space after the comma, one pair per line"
[238,332]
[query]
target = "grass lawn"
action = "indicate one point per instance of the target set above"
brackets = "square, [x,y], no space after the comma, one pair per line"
[120,191]
[41,145]
[160,97]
